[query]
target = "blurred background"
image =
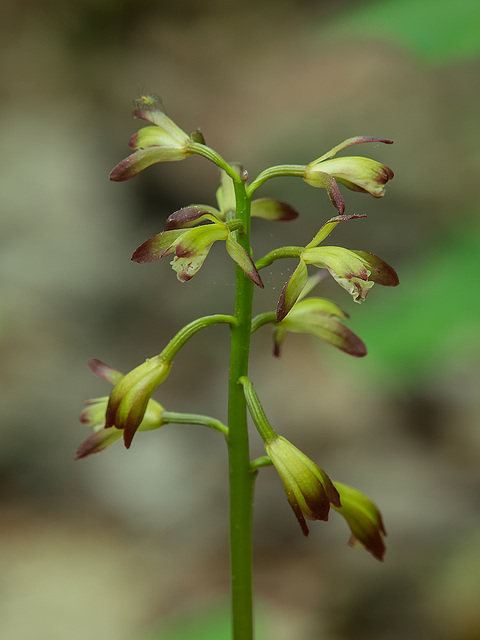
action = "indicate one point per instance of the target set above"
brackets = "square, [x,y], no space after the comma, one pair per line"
[133,545]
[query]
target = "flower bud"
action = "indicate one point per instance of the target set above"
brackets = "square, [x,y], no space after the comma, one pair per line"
[363,518]
[128,401]
[309,490]
[94,415]
[321,318]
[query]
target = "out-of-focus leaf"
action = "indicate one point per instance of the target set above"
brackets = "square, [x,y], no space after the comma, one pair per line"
[433,317]
[438,31]
[203,625]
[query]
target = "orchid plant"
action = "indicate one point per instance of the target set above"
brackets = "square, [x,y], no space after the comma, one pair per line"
[187,238]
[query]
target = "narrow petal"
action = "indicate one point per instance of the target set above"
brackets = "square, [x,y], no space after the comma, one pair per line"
[279,336]
[155,115]
[320,318]
[192,216]
[243,260]
[291,291]
[329,226]
[98,441]
[143,158]
[105,372]
[323,180]
[273,210]
[156,247]
[348,143]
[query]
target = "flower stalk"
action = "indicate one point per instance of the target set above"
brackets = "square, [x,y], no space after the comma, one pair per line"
[241,477]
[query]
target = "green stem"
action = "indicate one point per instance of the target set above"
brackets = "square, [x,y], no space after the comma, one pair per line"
[297,170]
[189,330]
[269,317]
[216,158]
[257,412]
[173,417]
[263,461]
[278,254]
[242,479]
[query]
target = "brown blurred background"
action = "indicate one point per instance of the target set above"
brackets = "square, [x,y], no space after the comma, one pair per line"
[128,545]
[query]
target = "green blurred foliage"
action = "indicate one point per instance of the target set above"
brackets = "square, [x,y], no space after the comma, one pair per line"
[206,624]
[432,319]
[437,31]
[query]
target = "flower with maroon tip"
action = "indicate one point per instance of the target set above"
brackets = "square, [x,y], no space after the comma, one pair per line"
[190,246]
[355,172]
[321,318]
[128,401]
[363,518]
[310,492]
[94,415]
[164,141]
[355,271]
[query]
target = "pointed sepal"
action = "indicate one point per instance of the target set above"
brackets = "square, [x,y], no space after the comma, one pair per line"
[322,319]
[244,261]
[192,216]
[292,290]
[310,492]
[270,209]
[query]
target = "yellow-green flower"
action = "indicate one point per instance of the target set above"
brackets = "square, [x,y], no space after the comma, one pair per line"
[94,415]
[190,246]
[128,401]
[356,173]
[162,142]
[323,319]
[309,489]
[355,271]
[363,518]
